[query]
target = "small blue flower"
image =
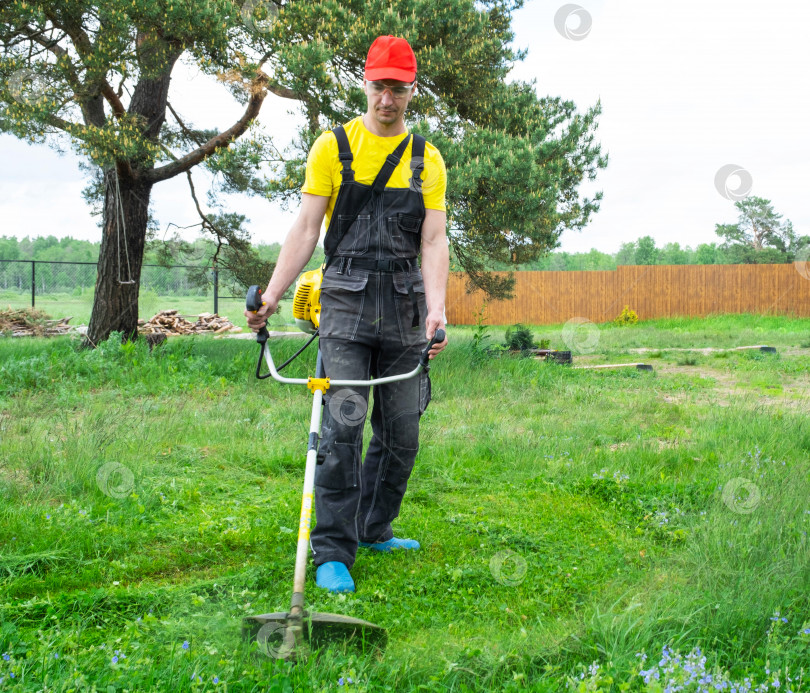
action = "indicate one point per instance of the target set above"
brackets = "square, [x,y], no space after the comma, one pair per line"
[185,644]
[5,656]
[340,681]
[806,631]
[56,655]
[47,517]
[784,620]
[216,679]
[13,675]
[115,659]
[192,676]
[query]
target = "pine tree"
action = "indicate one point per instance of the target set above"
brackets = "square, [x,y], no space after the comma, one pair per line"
[97,76]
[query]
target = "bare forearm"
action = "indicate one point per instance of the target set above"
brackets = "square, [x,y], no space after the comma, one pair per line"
[295,253]
[435,270]
[298,246]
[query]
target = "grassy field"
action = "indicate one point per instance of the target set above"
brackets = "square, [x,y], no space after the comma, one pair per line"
[581,529]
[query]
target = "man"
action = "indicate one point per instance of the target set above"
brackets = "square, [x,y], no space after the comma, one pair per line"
[382,191]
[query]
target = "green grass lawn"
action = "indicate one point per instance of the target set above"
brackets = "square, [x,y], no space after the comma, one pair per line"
[581,529]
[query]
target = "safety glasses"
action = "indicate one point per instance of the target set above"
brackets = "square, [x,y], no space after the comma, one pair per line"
[398,92]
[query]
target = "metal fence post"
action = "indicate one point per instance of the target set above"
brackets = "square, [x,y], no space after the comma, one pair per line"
[216,291]
[33,283]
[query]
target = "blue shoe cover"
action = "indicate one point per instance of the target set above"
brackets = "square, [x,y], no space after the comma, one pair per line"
[334,576]
[392,544]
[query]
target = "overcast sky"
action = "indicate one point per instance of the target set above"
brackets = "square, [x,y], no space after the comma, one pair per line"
[687,88]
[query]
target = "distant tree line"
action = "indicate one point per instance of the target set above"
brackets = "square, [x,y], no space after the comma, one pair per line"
[759,236]
[165,278]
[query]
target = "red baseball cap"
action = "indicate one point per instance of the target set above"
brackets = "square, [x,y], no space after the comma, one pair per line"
[391,57]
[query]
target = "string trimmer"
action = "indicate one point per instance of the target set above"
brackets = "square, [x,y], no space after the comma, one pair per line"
[298,626]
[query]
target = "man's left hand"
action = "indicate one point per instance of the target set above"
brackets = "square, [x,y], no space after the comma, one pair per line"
[433,323]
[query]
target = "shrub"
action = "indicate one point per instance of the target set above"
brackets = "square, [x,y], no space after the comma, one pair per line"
[626,317]
[519,338]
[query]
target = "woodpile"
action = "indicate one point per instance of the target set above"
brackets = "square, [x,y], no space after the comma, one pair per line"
[170,322]
[27,322]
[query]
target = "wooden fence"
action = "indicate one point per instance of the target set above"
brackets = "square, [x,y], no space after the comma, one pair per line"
[653,291]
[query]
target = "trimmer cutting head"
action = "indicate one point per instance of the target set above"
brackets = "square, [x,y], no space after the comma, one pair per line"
[282,636]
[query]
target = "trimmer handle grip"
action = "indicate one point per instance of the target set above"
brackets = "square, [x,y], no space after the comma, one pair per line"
[253,301]
[438,336]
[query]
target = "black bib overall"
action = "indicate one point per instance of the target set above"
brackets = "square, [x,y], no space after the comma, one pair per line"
[372,324]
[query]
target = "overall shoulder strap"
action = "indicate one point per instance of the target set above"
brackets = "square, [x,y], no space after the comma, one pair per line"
[391,162]
[344,154]
[378,186]
[417,162]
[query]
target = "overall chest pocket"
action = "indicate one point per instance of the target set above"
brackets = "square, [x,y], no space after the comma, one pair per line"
[405,234]
[355,238]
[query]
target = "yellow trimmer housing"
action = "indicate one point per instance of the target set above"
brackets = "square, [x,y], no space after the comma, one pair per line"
[307,301]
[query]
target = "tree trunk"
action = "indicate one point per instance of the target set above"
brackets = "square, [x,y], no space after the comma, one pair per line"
[115,306]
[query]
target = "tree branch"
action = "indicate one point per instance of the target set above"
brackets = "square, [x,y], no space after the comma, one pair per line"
[191,135]
[84,47]
[112,98]
[223,140]
[283,92]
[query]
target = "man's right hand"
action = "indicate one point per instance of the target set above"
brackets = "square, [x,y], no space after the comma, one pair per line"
[258,319]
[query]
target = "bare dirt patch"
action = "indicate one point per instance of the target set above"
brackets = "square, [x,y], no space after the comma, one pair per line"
[729,387]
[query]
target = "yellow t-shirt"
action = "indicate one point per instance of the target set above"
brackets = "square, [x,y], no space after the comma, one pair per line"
[369,151]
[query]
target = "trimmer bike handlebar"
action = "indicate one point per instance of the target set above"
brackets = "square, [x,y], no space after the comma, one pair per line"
[253,302]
